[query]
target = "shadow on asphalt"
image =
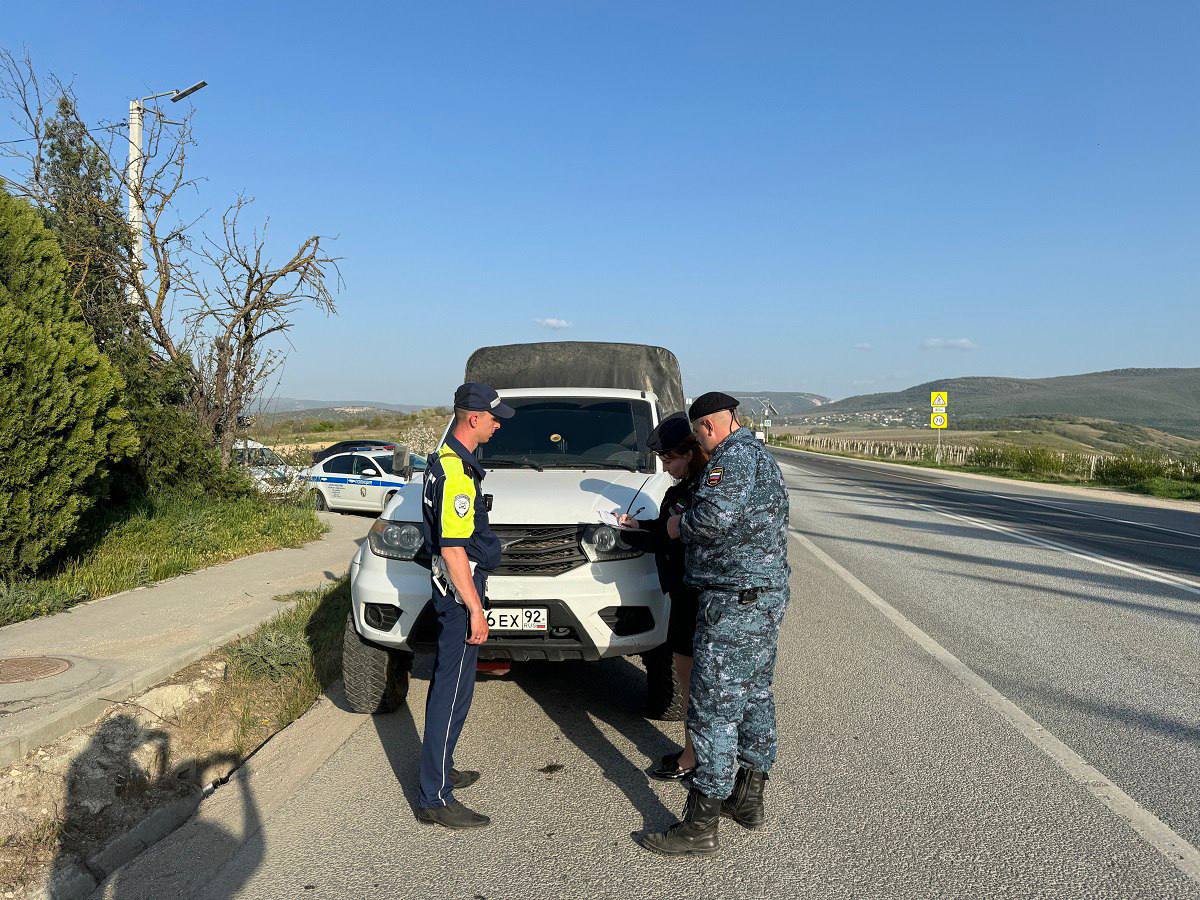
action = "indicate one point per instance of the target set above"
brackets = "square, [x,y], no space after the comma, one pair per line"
[1125,716]
[402,743]
[1148,608]
[572,694]
[1132,584]
[1067,519]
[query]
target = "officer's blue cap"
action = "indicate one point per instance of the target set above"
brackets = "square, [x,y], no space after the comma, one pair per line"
[669,434]
[482,398]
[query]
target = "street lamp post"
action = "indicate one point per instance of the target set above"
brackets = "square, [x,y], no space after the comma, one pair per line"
[133,172]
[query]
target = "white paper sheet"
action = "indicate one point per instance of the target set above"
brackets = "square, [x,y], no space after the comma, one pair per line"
[612,518]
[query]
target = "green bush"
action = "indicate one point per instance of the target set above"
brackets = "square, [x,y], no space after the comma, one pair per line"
[60,424]
[175,456]
[1130,468]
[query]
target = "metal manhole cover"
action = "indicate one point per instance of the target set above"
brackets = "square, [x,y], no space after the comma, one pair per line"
[30,668]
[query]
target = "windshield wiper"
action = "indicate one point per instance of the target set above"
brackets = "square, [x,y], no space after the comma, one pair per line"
[524,462]
[598,464]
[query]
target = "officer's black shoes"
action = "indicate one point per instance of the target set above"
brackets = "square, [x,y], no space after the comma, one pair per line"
[696,835]
[745,804]
[669,769]
[464,779]
[454,816]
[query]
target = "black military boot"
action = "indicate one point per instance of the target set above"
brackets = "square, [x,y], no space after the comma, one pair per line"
[695,835]
[745,804]
[453,815]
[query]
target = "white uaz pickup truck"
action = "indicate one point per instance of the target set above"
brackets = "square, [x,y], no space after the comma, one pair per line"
[568,586]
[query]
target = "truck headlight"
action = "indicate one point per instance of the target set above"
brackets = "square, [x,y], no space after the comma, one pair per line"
[603,542]
[394,540]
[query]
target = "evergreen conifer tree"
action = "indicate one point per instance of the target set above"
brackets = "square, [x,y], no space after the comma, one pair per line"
[60,423]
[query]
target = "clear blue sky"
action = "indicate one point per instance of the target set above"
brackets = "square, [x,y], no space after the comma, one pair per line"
[830,197]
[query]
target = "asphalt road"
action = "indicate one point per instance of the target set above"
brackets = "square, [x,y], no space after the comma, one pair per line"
[897,775]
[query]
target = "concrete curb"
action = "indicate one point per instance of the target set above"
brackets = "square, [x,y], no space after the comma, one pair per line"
[1079,492]
[75,882]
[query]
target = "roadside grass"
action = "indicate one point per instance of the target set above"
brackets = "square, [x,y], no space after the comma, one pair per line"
[1170,488]
[1124,478]
[273,675]
[160,538]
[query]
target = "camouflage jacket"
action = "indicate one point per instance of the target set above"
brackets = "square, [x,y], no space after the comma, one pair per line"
[735,530]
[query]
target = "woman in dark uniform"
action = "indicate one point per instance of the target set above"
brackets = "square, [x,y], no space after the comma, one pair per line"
[674,443]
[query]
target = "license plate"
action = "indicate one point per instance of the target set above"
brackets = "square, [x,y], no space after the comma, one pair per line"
[518,618]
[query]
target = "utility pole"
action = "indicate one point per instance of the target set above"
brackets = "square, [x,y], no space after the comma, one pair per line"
[768,410]
[133,177]
[134,170]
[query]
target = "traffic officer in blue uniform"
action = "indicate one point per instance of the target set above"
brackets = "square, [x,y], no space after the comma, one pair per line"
[464,550]
[735,538]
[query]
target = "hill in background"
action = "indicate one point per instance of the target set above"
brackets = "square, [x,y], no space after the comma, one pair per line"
[292,405]
[789,403]
[1164,399]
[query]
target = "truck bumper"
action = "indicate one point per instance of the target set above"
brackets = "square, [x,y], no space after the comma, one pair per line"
[595,611]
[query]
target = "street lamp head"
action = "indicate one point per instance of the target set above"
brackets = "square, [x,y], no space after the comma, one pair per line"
[179,95]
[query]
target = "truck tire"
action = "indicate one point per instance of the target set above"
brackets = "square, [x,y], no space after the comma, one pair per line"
[664,692]
[376,678]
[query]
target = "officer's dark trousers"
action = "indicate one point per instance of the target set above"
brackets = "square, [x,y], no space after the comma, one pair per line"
[450,694]
[731,713]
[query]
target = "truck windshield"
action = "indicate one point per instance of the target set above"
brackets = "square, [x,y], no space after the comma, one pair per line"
[572,433]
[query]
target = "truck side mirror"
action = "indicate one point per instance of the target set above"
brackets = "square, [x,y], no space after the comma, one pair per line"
[402,462]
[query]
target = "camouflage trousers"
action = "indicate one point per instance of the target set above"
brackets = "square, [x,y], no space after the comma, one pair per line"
[731,715]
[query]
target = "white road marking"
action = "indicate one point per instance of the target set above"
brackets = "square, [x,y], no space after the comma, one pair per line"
[1181,854]
[1017,499]
[1183,584]
[1166,578]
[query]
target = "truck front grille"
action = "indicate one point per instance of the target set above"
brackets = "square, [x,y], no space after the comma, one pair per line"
[539,549]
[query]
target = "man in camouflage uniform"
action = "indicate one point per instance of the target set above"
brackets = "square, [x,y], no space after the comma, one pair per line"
[735,534]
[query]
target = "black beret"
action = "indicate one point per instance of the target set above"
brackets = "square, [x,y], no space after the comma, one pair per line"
[670,433]
[707,404]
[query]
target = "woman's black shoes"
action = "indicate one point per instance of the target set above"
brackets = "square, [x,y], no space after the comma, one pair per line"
[668,769]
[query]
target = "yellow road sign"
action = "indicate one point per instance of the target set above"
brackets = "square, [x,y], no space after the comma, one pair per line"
[938,420]
[938,398]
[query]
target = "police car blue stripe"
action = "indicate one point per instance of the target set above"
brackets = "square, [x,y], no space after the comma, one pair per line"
[326,479]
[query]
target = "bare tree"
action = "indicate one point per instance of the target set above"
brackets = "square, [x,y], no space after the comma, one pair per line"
[219,337]
[250,301]
[163,179]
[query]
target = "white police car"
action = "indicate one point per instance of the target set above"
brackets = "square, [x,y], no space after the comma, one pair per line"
[361,478]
